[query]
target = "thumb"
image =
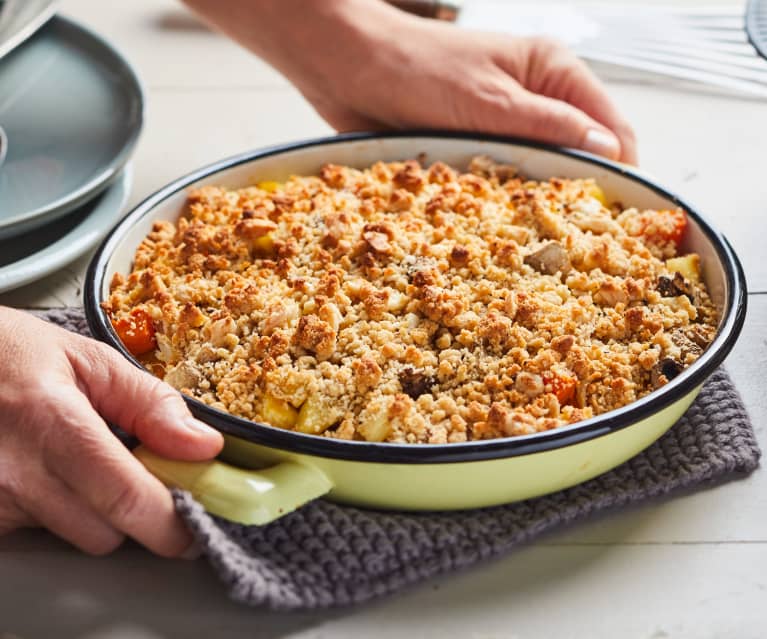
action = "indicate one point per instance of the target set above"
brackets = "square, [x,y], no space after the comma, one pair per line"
[141,404]
[550,120]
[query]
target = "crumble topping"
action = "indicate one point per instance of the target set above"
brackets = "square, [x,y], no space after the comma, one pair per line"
[408,304]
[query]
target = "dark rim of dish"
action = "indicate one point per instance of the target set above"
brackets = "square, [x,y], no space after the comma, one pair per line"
[265,435]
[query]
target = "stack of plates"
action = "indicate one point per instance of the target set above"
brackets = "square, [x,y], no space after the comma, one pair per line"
[71,111]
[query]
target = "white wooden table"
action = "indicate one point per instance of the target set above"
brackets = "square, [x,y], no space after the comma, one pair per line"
[693,566]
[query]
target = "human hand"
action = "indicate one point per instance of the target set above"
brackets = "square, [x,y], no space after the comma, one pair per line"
[61,467]
[364,65]
[442,78]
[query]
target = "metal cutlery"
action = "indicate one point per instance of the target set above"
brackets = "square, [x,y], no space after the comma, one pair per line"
[715,45]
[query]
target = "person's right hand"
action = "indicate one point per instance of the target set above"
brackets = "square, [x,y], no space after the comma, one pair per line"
[435,75]
[61,467]
[365,65]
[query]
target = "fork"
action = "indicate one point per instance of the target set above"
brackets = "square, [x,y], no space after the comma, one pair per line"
[705,44]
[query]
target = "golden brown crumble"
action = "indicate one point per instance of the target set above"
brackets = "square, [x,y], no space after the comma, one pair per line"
[409,304]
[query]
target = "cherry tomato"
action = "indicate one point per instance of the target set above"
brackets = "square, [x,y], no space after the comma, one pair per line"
[563,386]
[136,332]
[665,226]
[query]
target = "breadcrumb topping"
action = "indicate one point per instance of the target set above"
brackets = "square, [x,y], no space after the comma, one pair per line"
[408,304]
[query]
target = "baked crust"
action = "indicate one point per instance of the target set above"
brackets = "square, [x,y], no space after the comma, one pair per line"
[409,304]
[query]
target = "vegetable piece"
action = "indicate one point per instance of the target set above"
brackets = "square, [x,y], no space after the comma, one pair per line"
[675,286]
[664,226]
[687,265]
[315,417]
[595,191]
[562,385]
[278,412]
[376,426]
[270,186]
[263,246]
[136,332]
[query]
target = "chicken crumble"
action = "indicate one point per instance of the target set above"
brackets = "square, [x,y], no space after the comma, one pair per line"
[408,304]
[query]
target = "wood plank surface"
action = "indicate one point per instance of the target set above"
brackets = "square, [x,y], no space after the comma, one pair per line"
[688,567]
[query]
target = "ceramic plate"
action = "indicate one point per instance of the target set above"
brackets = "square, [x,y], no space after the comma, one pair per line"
[71,108]
[19,19]
[38,253]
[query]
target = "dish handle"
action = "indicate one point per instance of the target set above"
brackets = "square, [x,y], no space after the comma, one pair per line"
[251,497]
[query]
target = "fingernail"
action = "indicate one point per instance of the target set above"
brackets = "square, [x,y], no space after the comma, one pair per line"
[602,143]
[193,552]
[198,427]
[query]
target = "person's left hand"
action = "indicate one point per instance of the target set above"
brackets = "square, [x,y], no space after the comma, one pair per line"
[61,467]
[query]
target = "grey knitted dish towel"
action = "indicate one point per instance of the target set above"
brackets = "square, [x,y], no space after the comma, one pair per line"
[325,554]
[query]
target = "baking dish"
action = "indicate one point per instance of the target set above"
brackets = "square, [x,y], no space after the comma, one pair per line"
[265,472]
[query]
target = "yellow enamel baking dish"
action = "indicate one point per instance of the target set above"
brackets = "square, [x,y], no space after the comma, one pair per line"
[265,472]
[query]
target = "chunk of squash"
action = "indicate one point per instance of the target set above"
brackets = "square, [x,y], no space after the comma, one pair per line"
[595,191]
[278,412]
[376,425]
[263,246]
[270,186]
[687,265]
[315,416]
